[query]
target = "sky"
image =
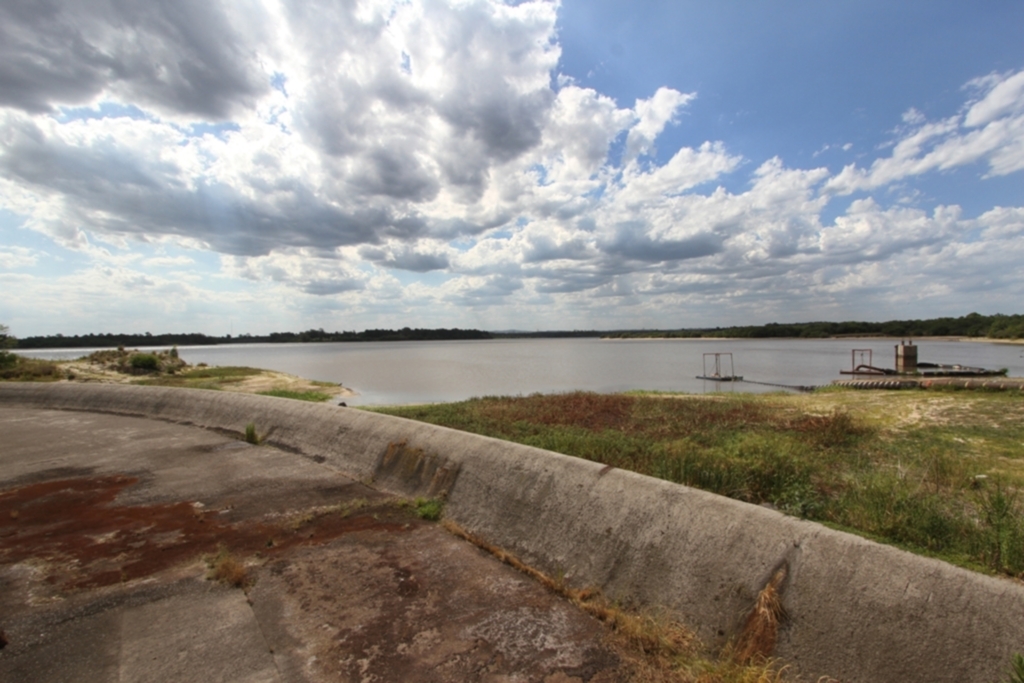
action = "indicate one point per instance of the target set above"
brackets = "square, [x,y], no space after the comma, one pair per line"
[248,166]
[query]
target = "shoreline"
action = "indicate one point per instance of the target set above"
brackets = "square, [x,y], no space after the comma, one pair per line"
[86,370]
[982,340]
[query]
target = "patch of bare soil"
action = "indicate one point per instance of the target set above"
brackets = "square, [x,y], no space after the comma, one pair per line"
[929,411]
[85,371]
[269,380]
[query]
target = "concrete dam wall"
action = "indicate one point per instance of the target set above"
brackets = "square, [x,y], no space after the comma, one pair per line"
[857,611]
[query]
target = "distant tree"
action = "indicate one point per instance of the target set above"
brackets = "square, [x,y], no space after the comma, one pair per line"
[7,341]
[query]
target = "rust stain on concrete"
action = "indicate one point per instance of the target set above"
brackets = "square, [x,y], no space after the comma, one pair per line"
[87,541]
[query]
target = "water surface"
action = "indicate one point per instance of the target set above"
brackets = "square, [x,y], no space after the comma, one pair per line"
[423,372]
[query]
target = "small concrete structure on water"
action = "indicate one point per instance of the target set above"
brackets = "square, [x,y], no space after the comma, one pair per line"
[912,374]
[908,366]
[856,610]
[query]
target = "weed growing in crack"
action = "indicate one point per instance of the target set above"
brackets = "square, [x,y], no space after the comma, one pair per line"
[223,567]
[250,434]
[655,648]
[341,510]
[760,632]
[1016,672]
[429,509]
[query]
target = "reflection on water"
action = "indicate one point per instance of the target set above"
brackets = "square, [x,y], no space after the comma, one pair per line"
[420,372]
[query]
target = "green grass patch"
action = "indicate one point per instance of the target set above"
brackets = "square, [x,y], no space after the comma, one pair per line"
[228,372]
[938,473]
[1015,674]
[429,509]
[203,377]
[250,434]
[313,396]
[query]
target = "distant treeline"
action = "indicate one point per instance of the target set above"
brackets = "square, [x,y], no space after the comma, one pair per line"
[972,325]
[556,334]
[195,339]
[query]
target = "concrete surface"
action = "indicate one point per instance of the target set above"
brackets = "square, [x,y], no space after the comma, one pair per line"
[105,521]
[857,610]
[896,382]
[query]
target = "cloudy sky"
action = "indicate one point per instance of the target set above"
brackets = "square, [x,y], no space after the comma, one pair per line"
[256,165]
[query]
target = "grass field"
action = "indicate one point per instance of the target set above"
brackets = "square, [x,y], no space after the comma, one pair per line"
[203,377]
[311,396]
[935,472]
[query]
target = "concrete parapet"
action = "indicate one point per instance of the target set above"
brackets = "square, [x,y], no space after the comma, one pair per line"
[856,610]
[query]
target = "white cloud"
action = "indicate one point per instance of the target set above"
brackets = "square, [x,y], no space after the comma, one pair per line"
[686,169]
[12,258]
[167,261]
[992,132]
[1004,96]
[581,127]
[869,233]
[302,269]
[380,156]
[653,114]
[189,58]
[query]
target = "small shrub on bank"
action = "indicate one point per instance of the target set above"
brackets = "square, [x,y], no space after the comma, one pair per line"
[146,362]
[21,369]
[134,362]
[7,359]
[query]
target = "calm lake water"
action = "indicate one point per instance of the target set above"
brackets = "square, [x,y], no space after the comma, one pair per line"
[423,372]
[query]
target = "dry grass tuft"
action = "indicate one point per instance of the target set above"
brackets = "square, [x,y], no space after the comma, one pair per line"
[648,634]
[761,630]
[223,567]
[341,510]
